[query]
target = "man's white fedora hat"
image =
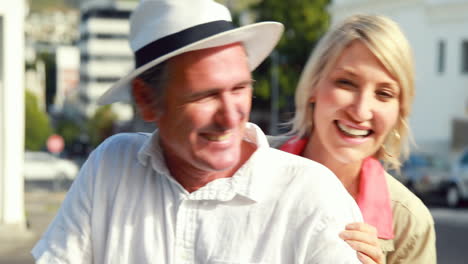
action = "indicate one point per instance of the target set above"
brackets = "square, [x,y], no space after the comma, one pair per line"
[162,29]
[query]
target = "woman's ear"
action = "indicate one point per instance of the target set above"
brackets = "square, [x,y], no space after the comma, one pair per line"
[144,100]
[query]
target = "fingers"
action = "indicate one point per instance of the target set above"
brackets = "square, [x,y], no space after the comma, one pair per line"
[362,227]
[360,232]
[363,238]
[374,253]
[365,259]
[359,236]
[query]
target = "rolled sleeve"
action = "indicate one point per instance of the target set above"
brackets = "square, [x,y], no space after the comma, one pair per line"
[68,238]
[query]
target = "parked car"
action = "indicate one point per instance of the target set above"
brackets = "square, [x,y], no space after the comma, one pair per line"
[426,175]
[457,185]
[43,166]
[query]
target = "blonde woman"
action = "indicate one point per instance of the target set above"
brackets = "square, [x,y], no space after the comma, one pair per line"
[352,105]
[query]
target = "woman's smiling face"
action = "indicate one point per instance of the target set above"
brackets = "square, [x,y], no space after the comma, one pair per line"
[356,106]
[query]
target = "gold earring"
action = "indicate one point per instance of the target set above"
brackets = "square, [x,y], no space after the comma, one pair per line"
[386,152]
[397,135]
[403,122]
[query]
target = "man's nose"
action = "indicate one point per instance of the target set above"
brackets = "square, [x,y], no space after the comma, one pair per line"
[229,112]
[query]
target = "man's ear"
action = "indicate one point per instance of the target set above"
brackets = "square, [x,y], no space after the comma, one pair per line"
[144,100]
[312,99]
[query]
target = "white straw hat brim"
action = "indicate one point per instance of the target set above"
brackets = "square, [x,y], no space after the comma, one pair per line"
[258,39]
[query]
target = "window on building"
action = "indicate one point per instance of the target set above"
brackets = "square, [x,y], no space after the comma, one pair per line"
[464,57]
[441,56]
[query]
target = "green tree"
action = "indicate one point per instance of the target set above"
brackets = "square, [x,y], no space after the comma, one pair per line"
[305,22]
[37,127]
[69,130]
[101,125]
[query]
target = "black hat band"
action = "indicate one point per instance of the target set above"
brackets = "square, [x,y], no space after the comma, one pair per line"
[178,40]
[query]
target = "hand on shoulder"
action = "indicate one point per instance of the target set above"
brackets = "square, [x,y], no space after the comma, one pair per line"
[362,237]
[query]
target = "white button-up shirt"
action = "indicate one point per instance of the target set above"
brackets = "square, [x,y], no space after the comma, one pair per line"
[125,207]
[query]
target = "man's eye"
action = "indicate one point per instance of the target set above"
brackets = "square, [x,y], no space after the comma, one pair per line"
[238,89]
[202,97]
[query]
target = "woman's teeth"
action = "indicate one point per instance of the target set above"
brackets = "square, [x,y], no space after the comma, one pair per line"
[218,138]
[352,131]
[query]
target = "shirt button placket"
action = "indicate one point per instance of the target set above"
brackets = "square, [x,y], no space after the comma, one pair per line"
[185,232]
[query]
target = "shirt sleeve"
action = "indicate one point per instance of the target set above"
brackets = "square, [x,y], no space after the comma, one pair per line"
[68,237]
[414,237]
[335,208]
[418,245]
[330,247]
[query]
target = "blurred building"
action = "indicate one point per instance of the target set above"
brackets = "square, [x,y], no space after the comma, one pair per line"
[46,31]
[67,74]
[52,27]
[104,53]
[438,33]
[12,216]
[81,3]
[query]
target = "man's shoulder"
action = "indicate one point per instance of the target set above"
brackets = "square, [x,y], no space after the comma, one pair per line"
[124,141]
[277,141]
[310,184]
[119,147]
[278,158]
[276,164]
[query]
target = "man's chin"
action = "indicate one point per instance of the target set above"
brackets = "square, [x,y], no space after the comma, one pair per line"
[222,164]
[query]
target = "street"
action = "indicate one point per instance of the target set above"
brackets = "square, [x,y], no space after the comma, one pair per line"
[452,232]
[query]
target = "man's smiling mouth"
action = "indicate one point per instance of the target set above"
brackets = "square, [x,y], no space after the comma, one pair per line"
[222,137]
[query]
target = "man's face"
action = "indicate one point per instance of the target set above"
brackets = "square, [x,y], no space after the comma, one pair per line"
[207,103]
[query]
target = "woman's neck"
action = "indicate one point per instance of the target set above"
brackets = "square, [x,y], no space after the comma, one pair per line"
[347,173]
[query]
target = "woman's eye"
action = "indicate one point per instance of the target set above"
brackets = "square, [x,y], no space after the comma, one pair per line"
[385,94]
[344,82]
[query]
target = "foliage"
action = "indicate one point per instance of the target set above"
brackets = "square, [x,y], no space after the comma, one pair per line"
[305,22]
[101,125]
[236,6]
[37,127]
[69,130]
[40,5]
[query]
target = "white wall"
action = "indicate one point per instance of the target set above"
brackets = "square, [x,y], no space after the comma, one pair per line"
[12,116]
[439,97]
[68,73]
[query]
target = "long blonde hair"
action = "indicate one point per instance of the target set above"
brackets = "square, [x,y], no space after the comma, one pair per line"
[385,40]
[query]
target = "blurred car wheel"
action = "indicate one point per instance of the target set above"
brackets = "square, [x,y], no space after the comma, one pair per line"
[453,196]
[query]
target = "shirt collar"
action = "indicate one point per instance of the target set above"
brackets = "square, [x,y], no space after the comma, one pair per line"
[373,198]
[241,183]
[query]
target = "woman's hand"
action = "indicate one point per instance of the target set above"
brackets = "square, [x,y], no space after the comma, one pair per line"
[362,237]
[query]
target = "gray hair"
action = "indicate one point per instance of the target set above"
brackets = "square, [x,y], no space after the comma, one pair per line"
[156,77]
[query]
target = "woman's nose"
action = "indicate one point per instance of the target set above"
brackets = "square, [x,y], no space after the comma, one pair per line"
[361,108]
